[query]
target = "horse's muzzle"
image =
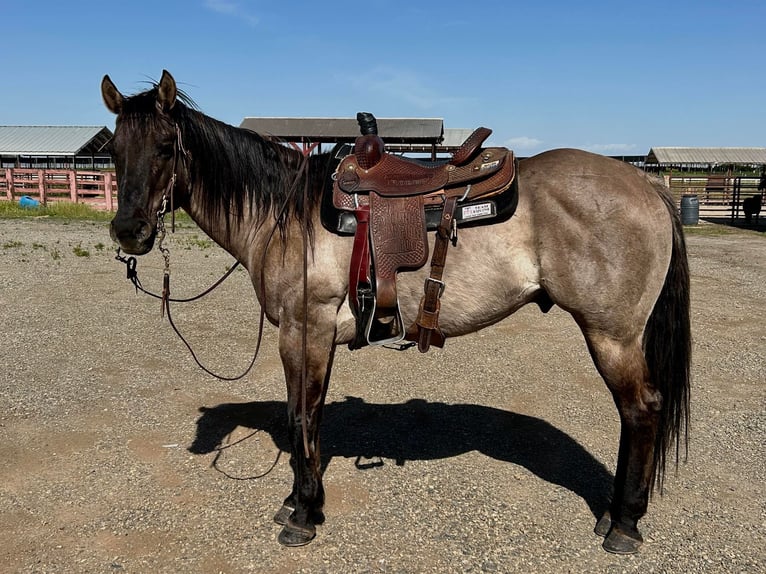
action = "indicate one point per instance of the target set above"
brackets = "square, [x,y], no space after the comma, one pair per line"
[135,236]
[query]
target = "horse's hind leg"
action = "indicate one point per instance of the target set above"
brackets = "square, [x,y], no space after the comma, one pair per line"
[623,367]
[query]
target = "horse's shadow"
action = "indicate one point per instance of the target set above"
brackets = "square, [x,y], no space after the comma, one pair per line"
[422,430]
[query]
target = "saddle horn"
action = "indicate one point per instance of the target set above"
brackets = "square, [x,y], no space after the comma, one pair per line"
[368,148]
[368,125]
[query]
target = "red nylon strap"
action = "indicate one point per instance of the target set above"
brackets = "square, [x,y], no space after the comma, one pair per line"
[428,316]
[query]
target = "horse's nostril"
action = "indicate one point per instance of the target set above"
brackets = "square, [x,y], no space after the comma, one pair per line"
[142,230]
[135,235]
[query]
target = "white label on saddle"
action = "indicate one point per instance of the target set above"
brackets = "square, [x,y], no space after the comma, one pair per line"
[479,210]
[489,165]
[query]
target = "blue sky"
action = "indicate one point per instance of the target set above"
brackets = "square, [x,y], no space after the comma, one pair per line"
[609,76]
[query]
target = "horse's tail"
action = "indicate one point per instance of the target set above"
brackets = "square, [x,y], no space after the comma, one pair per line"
[667,348]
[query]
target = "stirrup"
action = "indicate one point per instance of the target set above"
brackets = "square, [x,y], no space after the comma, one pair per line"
[385,333]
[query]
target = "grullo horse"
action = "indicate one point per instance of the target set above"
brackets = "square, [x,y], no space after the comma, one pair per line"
[595,236]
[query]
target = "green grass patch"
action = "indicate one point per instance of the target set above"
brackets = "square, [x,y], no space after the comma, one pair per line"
[66,210]
[56,210]
[197,241]
[715,230]
[80,251]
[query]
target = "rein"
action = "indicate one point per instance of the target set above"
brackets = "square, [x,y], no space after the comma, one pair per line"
[132,276]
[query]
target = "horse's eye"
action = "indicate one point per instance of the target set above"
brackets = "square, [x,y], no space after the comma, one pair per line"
[166,150]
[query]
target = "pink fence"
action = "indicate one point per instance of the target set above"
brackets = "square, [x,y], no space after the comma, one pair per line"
[98,189]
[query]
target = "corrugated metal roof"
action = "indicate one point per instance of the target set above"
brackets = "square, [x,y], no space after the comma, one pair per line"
[707,155]
[454,137]
[333,130]
[52,140]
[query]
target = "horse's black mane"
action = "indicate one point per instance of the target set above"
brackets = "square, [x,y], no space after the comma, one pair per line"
[234,171]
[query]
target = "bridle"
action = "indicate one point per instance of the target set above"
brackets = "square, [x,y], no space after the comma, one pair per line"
[178,148]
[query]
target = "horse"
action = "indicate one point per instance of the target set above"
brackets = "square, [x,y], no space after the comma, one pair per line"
[597,237]
[752,208]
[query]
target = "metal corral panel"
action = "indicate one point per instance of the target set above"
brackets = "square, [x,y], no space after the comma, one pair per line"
[707,155]
[52,140]
[402,130]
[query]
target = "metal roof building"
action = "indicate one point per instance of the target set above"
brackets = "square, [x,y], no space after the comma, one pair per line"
[336,130]
[706,156]
[400,134]
[54,146]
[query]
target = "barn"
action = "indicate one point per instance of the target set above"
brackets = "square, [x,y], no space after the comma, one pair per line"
[57,163]
[55,147]
[728,160]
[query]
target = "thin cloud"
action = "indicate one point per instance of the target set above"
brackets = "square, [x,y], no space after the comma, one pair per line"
[405,86]
[523,143]
[232,9]
[614,148]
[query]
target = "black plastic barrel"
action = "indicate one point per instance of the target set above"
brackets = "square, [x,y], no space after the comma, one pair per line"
[690,210]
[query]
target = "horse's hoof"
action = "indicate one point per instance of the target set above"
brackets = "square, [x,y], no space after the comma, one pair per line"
[604,525]
[618,542]
[294,535]
[283,514]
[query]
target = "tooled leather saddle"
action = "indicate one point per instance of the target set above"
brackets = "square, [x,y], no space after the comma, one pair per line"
[390,202]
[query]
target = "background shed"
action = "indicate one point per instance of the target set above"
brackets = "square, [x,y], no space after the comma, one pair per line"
[55,147]
[424,135]
[706,158]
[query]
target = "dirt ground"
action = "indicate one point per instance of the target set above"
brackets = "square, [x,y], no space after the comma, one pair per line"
[121,456]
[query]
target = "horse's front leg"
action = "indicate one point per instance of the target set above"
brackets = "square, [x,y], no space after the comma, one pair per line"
[302,510]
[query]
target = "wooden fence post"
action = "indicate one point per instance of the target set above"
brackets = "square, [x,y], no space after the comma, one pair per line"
[108,191]
[73,185]
[9,183]
[41,186]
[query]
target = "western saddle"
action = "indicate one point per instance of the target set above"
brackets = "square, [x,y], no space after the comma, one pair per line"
[393,202]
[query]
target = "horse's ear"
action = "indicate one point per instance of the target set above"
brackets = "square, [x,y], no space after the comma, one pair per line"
[167,92]
[112,96]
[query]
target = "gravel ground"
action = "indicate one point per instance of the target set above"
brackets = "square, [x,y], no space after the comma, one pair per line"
[121,456]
